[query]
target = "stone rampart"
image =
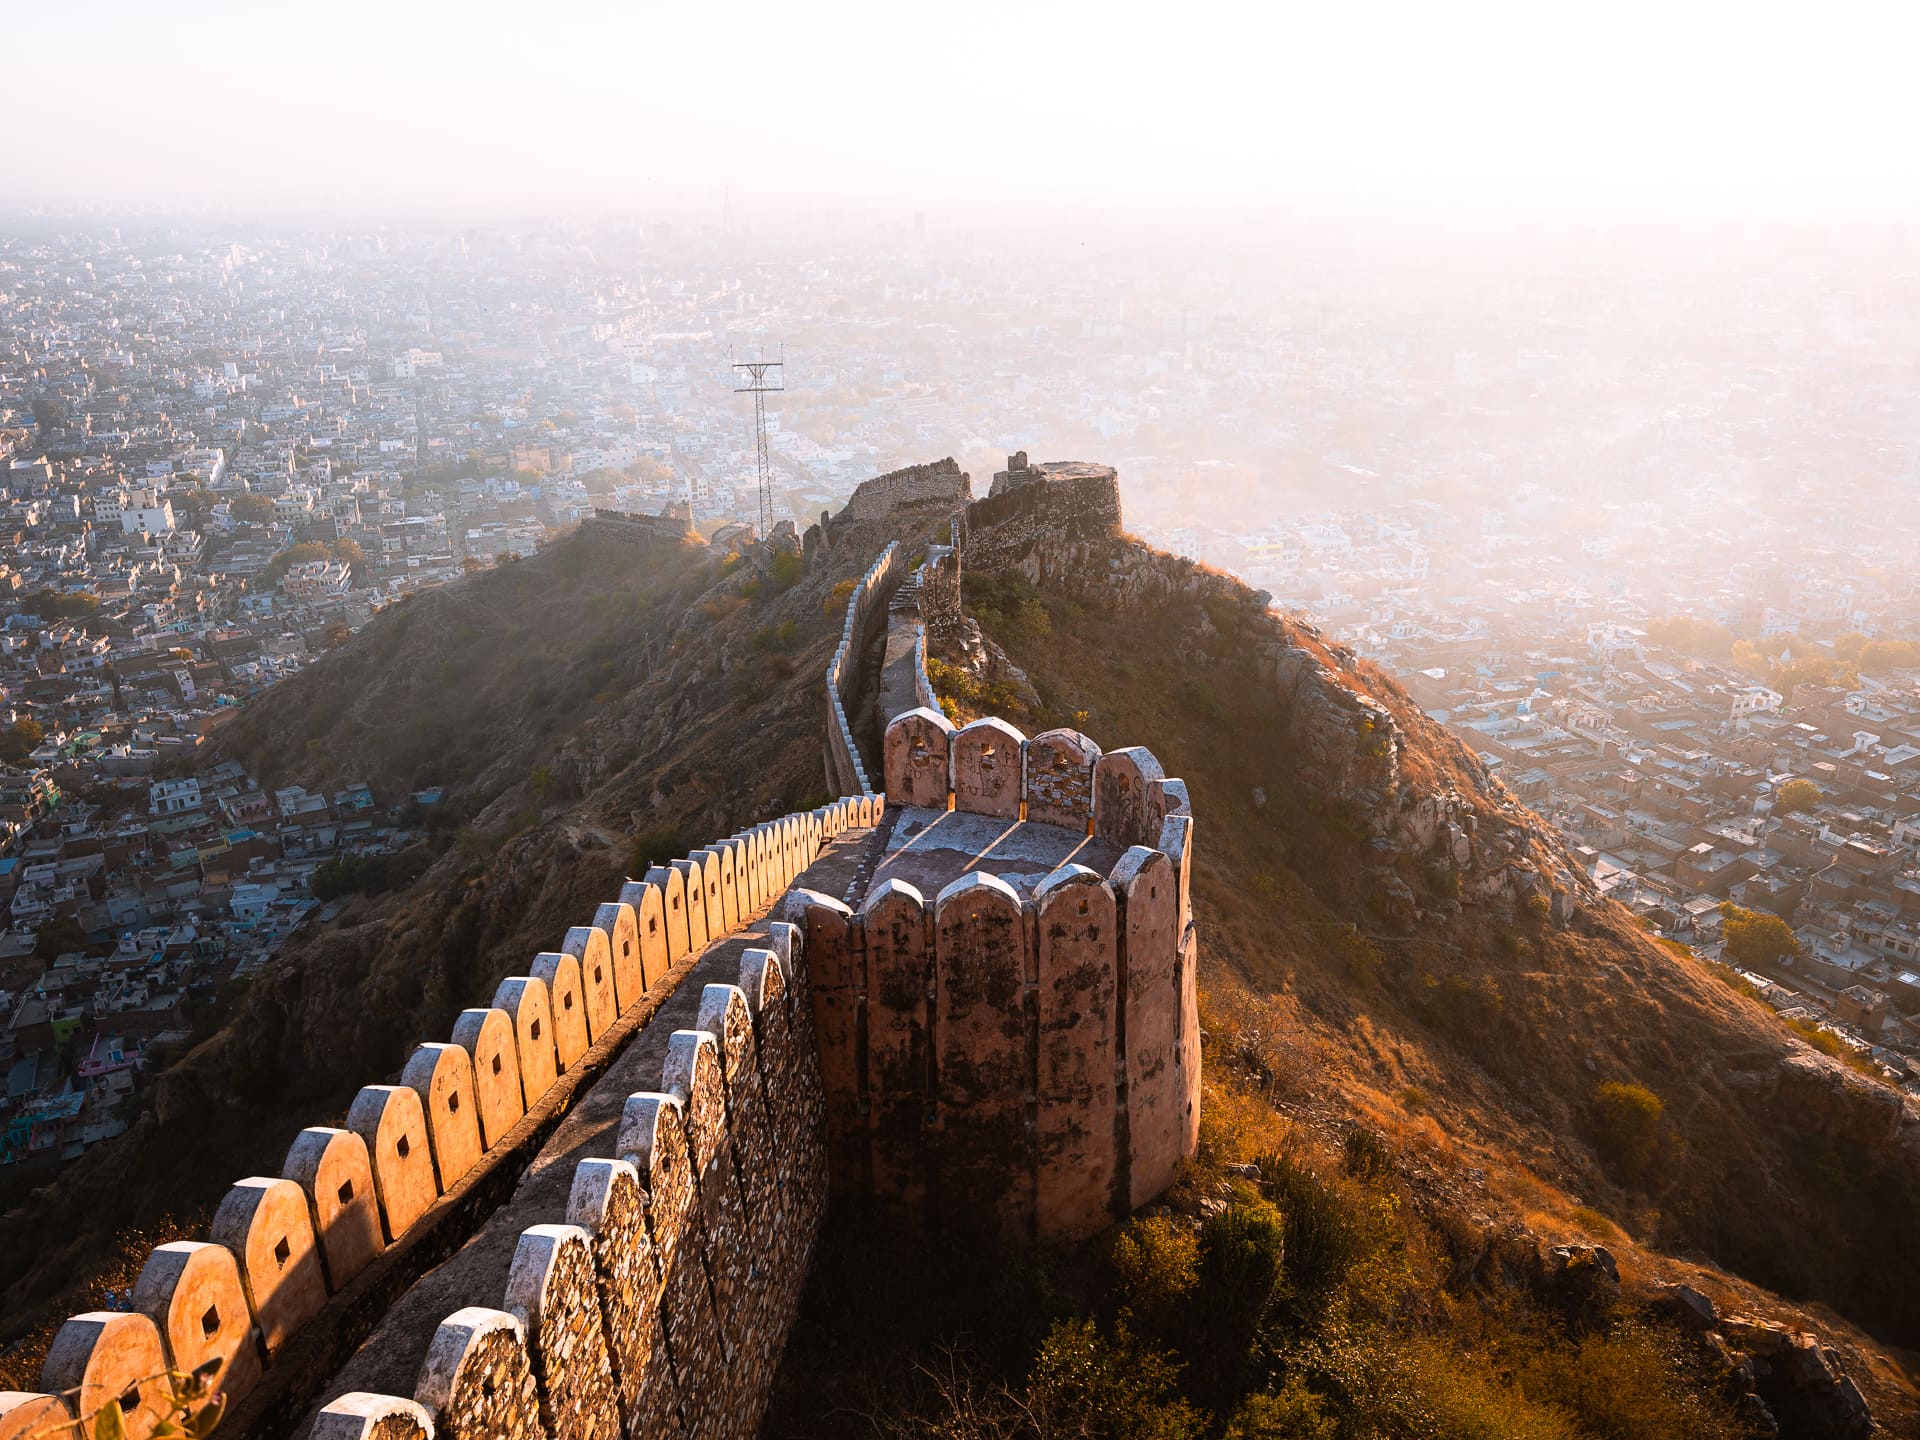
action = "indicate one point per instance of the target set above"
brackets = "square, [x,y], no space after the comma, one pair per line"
[662,1295]
[1038,513]
[866,617]
[672,528]
[1020,1045]
[938,485]
[940,603]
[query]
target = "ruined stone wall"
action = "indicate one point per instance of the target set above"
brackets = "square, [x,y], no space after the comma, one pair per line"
[866,617]
[673,527]
[1038,516]
[940,604]
[1028,1063]
[941,483]
[657,1305]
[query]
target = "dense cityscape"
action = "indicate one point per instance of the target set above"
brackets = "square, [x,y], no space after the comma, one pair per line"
[226,448]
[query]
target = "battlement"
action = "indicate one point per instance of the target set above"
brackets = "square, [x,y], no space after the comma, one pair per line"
[626,1313]
[1004,1002]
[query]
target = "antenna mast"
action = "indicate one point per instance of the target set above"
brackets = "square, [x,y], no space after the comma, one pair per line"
[757,386]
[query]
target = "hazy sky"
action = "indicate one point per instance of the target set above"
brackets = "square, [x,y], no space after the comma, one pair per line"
[1809,109]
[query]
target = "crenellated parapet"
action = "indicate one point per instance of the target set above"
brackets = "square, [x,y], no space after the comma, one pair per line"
[664,1290]
[1006,1014]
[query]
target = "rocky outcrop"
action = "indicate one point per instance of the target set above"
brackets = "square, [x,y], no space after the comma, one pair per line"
[1793,1382]
[1824,1097]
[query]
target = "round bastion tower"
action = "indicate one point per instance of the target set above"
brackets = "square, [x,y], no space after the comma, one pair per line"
[1004,1000]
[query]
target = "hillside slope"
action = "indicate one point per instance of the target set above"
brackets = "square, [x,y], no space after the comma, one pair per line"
[587,710]
[1390,941]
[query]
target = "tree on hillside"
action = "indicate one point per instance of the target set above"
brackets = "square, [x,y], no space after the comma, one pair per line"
[1626,1126]
[1799,794]
[49,411]
[1756,938]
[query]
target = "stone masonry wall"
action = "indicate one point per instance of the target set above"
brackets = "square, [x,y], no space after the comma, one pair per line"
[658,1305]
[1037,513]
[940,483]
[1030,1065]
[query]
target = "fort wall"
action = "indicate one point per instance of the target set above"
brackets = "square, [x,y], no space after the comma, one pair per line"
[1015,1053]
[1036,514]
[674,1272]
[673,527]
[866,618]
[940,484]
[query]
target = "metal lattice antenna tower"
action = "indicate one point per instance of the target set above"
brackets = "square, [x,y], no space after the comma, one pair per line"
[758,387]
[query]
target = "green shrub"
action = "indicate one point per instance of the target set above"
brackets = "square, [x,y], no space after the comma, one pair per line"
[1365,1154]
[654,847]
[775,637]
[1622,1385]
[786,570]
[1325,1229]
[1291,1413]
[1030,618]
[836,599]
[1626,1125]
[1158,1264]
[1241,1250]
[1086,1385]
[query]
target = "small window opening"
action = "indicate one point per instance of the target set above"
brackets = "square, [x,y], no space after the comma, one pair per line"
[210,1322]
[402,1147]
[346,1192]
[567,1000]
[533,1030]
[453,1103]
[130,1399]
[282,1252]
[496,1064]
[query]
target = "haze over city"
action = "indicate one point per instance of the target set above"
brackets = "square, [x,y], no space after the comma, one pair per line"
[1637,110]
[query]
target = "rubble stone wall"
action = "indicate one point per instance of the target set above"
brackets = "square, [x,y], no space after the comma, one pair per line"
[940,603]
[939,483]
[1037,517]
[671,528]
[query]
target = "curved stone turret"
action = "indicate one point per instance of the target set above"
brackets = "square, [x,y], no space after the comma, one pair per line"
[1005,1010]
